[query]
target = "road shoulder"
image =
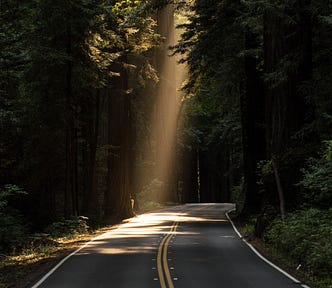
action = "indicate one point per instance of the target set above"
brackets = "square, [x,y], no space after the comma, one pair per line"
[241,225]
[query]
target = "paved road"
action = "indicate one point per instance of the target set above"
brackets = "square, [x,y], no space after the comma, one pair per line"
[186,246]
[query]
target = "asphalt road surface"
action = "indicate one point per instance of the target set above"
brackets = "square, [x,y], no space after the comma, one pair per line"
[187,246]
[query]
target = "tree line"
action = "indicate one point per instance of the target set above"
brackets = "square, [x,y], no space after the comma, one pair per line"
[257,116]
[78,81]
[256,125]
[78,88]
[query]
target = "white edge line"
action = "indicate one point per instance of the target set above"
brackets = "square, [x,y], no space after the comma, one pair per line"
[49,273]
[260,255]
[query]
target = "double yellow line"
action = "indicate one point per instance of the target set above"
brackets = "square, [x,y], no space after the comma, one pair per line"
[162,263]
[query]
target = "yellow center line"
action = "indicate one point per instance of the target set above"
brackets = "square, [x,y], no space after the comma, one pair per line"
[166,268]
[162,263]
[159,264]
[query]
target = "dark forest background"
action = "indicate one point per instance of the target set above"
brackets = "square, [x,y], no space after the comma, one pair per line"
[78,82]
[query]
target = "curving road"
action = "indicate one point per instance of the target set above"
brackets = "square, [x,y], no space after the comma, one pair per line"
[185,246]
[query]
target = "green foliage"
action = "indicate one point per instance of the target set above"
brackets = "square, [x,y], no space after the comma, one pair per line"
[265,169]
[151,192]
[306,238]
[265,177]
[59,64]
[68,227]
[210,44]
[9,190]
[238,195]
[317,178]
[12,228]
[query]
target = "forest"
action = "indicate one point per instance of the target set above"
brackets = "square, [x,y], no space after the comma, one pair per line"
[109,107]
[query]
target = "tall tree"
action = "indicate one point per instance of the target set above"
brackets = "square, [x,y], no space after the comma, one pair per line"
[166,105]
[288,66]
[136,39]
[211,45]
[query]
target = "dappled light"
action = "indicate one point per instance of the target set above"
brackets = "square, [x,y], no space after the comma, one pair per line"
[149,228]
[113,108]
[99,249]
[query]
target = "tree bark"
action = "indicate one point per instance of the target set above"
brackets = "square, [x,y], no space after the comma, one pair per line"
[118,190]
[286,41]
[166,108]
[252,115]
[90,134]
[71,188]
[280,190]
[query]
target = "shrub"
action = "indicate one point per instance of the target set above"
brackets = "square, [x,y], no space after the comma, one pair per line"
[317,178]
[68,227]
[12,228]
[306,237]
[238,195]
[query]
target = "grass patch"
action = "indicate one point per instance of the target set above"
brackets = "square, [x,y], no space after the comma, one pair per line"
[18,269]
[23,267]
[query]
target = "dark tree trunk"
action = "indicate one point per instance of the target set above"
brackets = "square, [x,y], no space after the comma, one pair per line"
[90,134]
[252,115]
[71,189]
[205,188]
[285,105]
[189,187]
[211,170]
[108,189]
[120,162]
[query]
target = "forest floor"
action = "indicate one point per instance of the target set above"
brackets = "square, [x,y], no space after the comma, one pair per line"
[18,270]
[23,269]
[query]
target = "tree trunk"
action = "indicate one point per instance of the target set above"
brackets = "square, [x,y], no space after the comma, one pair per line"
[118,190]
[71,189]
[280,190]
[285,104]
[252,114]
[108,189]
[90,134]
[166,108]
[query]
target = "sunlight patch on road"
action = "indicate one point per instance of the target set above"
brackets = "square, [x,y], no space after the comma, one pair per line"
[175,217]
[122,240]
[116,250]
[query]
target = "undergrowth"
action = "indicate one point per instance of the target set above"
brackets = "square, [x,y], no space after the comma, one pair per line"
[19,262]
[304,239]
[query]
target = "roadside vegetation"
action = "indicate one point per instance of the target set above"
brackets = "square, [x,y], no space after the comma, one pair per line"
[25,266]
[302,242]
[25,254]
[300,245]
[304,238]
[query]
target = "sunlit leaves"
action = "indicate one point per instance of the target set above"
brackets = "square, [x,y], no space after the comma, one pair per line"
[135,24]
[126,7]
[211,44]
